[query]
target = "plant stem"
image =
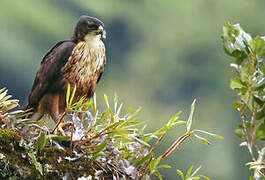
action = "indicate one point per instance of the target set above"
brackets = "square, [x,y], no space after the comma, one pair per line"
[71,139]
[57,124]
[176,145]
[249,147]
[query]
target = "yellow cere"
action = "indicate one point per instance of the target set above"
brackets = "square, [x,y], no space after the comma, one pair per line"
[100,27]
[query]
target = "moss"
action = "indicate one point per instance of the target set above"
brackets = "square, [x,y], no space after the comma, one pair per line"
[17,164]
[78,168]
[15,161]
[7,136]
[13,165]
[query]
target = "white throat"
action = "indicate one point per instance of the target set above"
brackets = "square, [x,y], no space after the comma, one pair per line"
[93,41]
[90,54]
[92,37]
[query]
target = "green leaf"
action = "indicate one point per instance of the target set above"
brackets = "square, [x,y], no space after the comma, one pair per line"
[58,138]
[93,105]
[136,112]
[201,176]
[1,90]
[72,96]
[3,94]
[236,83]
[34,161]
[149,138]
[248,99]
[68,95]
[197,170]
[189,172]
[102,117]
[178,123]
[157,173]
[260,132]
[263,69]
[258,46]
[154,163]
[111,115]
[119,109]
[163,166]
[258,100]
[260,114]
[124,135]
[144,159]
[101,146]
[41,142]
[112,126]
[106,100]
[189,122]
[195,178]
[20,114]
[211,134]
[115,102]
[95,156]
[240,56]
[129,110]
[239,106]
[181,174]
[8,105]
[205,141]
[239,131]
[81,105]
[141,141]
[173,119]
[236,41]
[261,84]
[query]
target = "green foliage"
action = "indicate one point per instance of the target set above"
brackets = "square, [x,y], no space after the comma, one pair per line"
[249,83]
[192,175]
[40,143]
[112,138]
[69,96]
[6,103]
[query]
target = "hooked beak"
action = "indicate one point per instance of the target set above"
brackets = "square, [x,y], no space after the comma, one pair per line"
[102,31]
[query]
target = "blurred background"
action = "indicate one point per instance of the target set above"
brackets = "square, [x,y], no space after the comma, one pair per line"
[161,55]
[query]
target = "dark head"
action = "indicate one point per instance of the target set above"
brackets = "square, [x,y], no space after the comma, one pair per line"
[87,25]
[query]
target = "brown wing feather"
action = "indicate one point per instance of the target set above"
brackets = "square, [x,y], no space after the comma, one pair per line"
[49,72]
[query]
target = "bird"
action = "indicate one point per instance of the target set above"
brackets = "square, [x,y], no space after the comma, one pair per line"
[78,62]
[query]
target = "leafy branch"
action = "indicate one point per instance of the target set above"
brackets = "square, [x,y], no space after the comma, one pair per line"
[248,54]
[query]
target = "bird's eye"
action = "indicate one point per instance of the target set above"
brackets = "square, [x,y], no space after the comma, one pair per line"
[92,26]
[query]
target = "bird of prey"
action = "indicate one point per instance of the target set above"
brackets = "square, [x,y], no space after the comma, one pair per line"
[78,61]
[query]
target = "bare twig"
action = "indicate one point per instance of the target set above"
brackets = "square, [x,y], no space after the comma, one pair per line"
[157,142]
[57,124]
[261,173]
[102,133]
[176,145]
[169,151]
[71,138]
[143,172]
[252,121]
[246,136]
